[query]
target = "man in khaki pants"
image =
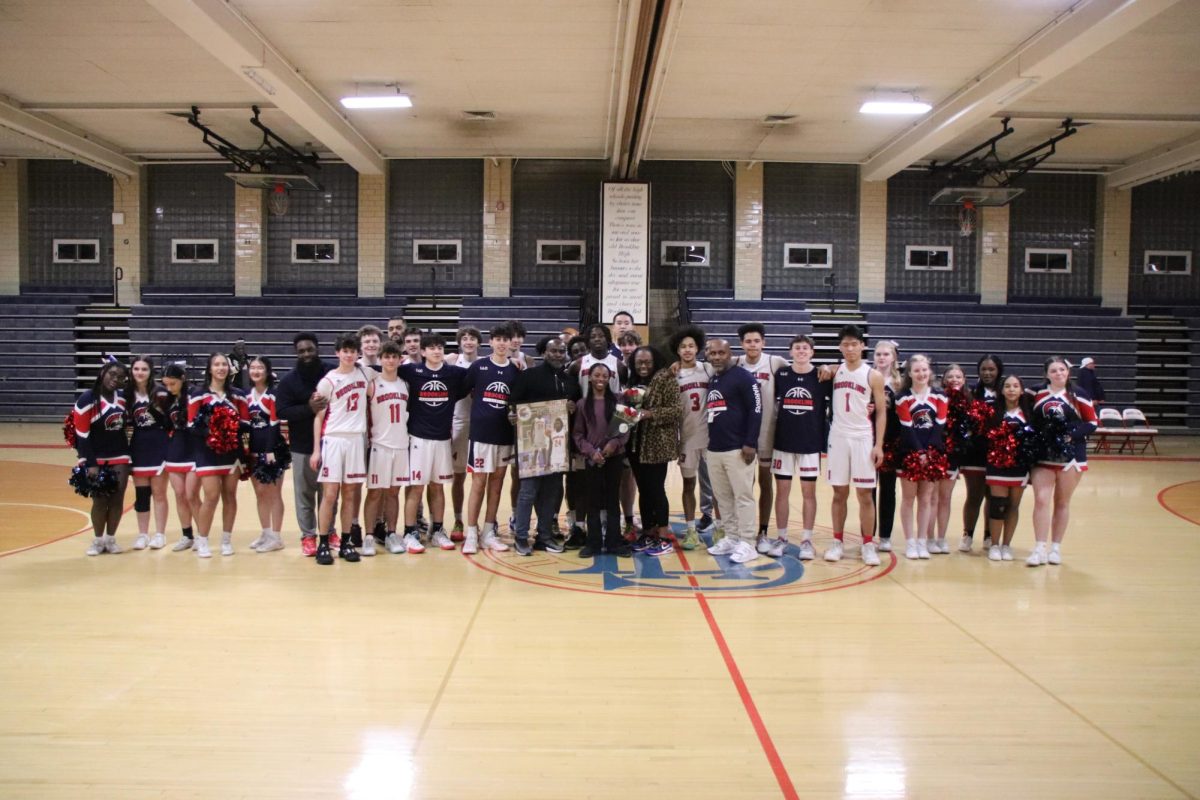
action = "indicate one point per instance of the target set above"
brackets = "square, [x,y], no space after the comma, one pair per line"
[734,419]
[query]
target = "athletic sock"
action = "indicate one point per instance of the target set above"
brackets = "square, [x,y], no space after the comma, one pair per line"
[410,529]
[839,535]
[691,526]
[782,533]
[868,538]
[806,535]
[762,530]
[435,525]
[325,539]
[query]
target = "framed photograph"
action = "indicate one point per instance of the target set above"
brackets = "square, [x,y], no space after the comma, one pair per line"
[543,430]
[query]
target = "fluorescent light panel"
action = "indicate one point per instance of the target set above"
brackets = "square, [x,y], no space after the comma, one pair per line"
[378,101]
[900,107]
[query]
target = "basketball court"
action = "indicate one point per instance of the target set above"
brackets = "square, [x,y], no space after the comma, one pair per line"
[157,674]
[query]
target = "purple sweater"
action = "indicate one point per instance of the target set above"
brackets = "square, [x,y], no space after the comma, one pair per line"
[591,436]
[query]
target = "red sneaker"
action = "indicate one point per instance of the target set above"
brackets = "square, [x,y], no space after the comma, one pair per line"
[335,541]
[457,534]
[308,544]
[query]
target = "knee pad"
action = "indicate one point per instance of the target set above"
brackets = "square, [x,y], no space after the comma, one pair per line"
[997,507]
[141,498]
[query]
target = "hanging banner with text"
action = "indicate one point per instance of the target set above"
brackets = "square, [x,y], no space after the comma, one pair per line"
[624,250]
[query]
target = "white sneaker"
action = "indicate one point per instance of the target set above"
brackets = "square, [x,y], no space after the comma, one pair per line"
[763,544]
[743,553]
[869,556]
[943,548]
[394,543]
[141,542]
[1037,557]
[778,548]
[111,546]
[923,550]
[885,546]
[994,553]
[271,542]
[368,548]
[158,541]
[1006,553]
[412,544]
[911,550]
[807,553]
[964,544]
[471,544]
[490,541]
[97,548]
[226,545]
[1054,557]
[184,543]
[724,547]
[201,547]
[987,541]
[834,553]
[257,543]
[442,540]
[931,546]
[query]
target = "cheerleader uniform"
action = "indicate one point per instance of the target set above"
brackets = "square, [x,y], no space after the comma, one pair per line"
[1016,476]
[975,458]
[208,461]
[150,434]
[180,458]
[922,424]
[1079,418]
[100,430]
[265,435]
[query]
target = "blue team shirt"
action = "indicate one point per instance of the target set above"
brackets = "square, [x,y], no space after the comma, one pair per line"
[431,398]
[800,419]
[734,410]
[490,387]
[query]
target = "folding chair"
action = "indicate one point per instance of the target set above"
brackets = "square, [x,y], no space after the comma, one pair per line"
[1111,430]
[1137,427]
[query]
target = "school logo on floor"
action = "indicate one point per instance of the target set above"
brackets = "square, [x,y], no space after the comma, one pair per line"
[685,573]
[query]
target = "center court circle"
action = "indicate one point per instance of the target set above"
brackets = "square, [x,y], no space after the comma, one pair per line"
[683,574]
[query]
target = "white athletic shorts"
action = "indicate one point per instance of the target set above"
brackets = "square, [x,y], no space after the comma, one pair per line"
[689,462]
[795,465]
[389,467]
[342,459]
[429,461]
[850,463]
[459,443]
[483,457]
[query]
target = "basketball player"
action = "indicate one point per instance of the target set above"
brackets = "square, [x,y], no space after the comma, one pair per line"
[395,329]
[763,368]
[370,339]
[460,430]
[388,468]
[693,377]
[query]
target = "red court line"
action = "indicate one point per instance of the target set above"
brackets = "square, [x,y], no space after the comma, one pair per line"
[34,446]
[1162,503]
[764,736]
[1143,458]
[86,527]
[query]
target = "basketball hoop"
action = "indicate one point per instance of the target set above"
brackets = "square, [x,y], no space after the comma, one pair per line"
[278,200]
[966,218]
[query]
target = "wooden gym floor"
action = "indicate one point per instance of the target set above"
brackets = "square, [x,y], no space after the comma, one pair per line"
[156,675]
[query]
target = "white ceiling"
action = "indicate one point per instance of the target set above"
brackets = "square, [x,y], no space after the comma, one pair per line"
[114,70]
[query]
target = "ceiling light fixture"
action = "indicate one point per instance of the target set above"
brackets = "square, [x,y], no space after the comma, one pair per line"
[380,99]
[894,103]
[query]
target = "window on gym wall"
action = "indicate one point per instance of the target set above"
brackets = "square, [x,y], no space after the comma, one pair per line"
[812,256]
[928,257]
[561,251]
[437,251]
[1048,260]
[1168,262]
[692,254]
[315,251]
[194,251]
[76,251]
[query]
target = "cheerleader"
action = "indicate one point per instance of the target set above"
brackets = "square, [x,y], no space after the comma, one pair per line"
[266,440]
[1006,484]
[217,471]
[180,464]
[1064,418]
[953,380]
[887,361]
[100,442]
[147,402]
[974,461]
[921,411]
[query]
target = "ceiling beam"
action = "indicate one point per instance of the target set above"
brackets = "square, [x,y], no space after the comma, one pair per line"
[82,149]
[1080,32]
[232,40]
[1177,157]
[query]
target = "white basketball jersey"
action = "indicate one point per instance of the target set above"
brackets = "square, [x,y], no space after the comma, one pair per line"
[764,373]
[585,365]
[347,395]
[693,393]
[851,396]
[462,409]
[389,413]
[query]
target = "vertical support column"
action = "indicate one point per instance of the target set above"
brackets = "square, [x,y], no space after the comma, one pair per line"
[993,255]
[372,234]
[497,227]
[1114,218]
[250,240]
[12,225]
[129,235]
[748,231]
[872,240]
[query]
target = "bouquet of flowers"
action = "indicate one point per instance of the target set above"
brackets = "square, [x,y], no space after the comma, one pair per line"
[634,396]
[623,420]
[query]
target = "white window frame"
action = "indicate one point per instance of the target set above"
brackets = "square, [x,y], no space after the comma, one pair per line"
[1050,251]
[216,246]
[1187,254]
[337,251]
[582,244]
[456,242]
[790,246]
[662,254]
[94,242]
[942,248]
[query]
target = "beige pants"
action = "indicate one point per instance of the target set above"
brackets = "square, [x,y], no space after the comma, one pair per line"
[733,489]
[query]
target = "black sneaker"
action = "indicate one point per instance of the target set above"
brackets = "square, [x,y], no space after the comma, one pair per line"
[522,547]
[550,546]
[347,552]
[623,551]
[586,552]
[576,540]
[324,554]
[705,524]
[380,532]
[355,536]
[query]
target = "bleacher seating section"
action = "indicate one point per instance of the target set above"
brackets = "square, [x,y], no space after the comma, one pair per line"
[543,315]
[37,367]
